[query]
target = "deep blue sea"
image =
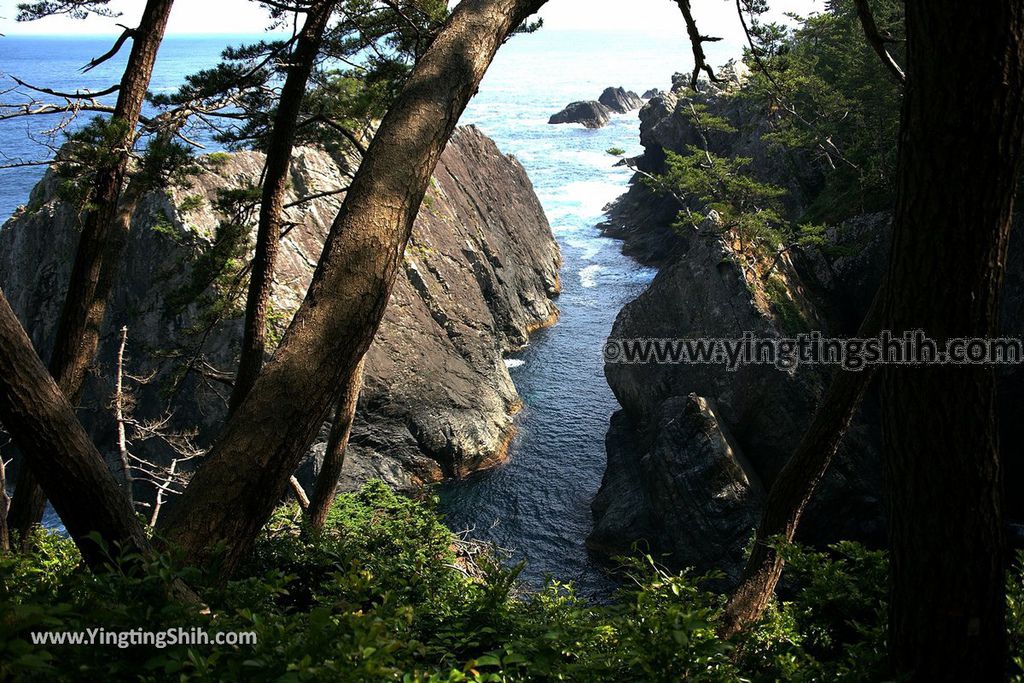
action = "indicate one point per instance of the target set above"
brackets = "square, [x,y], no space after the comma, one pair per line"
[537,505]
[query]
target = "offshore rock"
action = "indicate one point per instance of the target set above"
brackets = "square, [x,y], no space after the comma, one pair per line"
[620,100]
[589,114]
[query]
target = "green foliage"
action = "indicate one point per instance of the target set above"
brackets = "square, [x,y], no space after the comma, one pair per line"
[192,202]
[161,223]
[165,163]
[833,104]
[95,145]
[791,319]
[76,9]
[379,596]
[747,208]
[616,151]
[217,159]
[820,96]
[217,280]
[377,44]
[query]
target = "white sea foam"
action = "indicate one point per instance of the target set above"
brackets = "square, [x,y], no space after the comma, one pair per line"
[589,248]
[514,363]
[588,276]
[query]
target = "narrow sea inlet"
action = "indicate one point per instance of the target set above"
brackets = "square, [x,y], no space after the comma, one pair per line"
[538,504]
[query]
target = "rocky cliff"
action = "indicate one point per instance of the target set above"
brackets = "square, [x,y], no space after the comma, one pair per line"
[694,447]
[481,272]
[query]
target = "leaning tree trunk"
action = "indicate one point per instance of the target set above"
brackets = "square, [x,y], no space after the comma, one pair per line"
[795,485]
[959,158]
[275,186]
[235,489]
[40,420]
[99,252]
[326,487]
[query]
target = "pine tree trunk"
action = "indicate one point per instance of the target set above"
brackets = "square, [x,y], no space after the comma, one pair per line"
[98,255]
[234,491]
[275,185]
[40,420]
[326,487]
[795,485]
[959,158]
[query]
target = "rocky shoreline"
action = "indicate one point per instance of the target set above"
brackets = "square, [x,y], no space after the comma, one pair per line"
[481,273]
[694,447]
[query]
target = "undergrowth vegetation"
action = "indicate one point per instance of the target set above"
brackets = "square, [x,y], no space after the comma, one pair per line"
[382,595]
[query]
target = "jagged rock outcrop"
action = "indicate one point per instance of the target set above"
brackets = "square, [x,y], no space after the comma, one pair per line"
[704,293]
[597,113]
[481,272]
[701,291]
[651,94]
[643,218]
[690,464]
[620,100]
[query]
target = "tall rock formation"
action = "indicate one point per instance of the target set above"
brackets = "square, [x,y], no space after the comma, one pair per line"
[481,272]
[694,447]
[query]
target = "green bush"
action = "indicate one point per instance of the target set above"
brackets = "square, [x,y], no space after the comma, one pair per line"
[382,595]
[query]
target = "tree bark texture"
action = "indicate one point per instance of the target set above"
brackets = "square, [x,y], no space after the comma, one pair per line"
[234,491]
[98,255]
[959,159]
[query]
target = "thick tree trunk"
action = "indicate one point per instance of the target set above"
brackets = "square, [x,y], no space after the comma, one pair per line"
[42,423]
[275,185]
[234,491]
[99,252]
[795,485]
[326,487]
[959,158]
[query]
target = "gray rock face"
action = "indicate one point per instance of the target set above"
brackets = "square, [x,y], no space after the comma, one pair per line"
[700,292]
[480,273]
[650,94]
[698,498]
[620,100]
[703,294]
[590,114]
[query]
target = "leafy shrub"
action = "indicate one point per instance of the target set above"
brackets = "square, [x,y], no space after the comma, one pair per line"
[379,596]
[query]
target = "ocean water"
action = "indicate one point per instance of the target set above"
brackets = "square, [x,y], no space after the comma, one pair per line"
[538,504]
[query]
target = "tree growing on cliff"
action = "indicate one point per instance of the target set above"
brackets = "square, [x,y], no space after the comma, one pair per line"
[723,192]
[831,106]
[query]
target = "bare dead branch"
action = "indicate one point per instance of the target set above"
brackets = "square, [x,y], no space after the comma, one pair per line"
[300,493]
[314,197]
[109,54]
[697,41]
[77,95]
[338,128]
[119,416]
[5,504]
